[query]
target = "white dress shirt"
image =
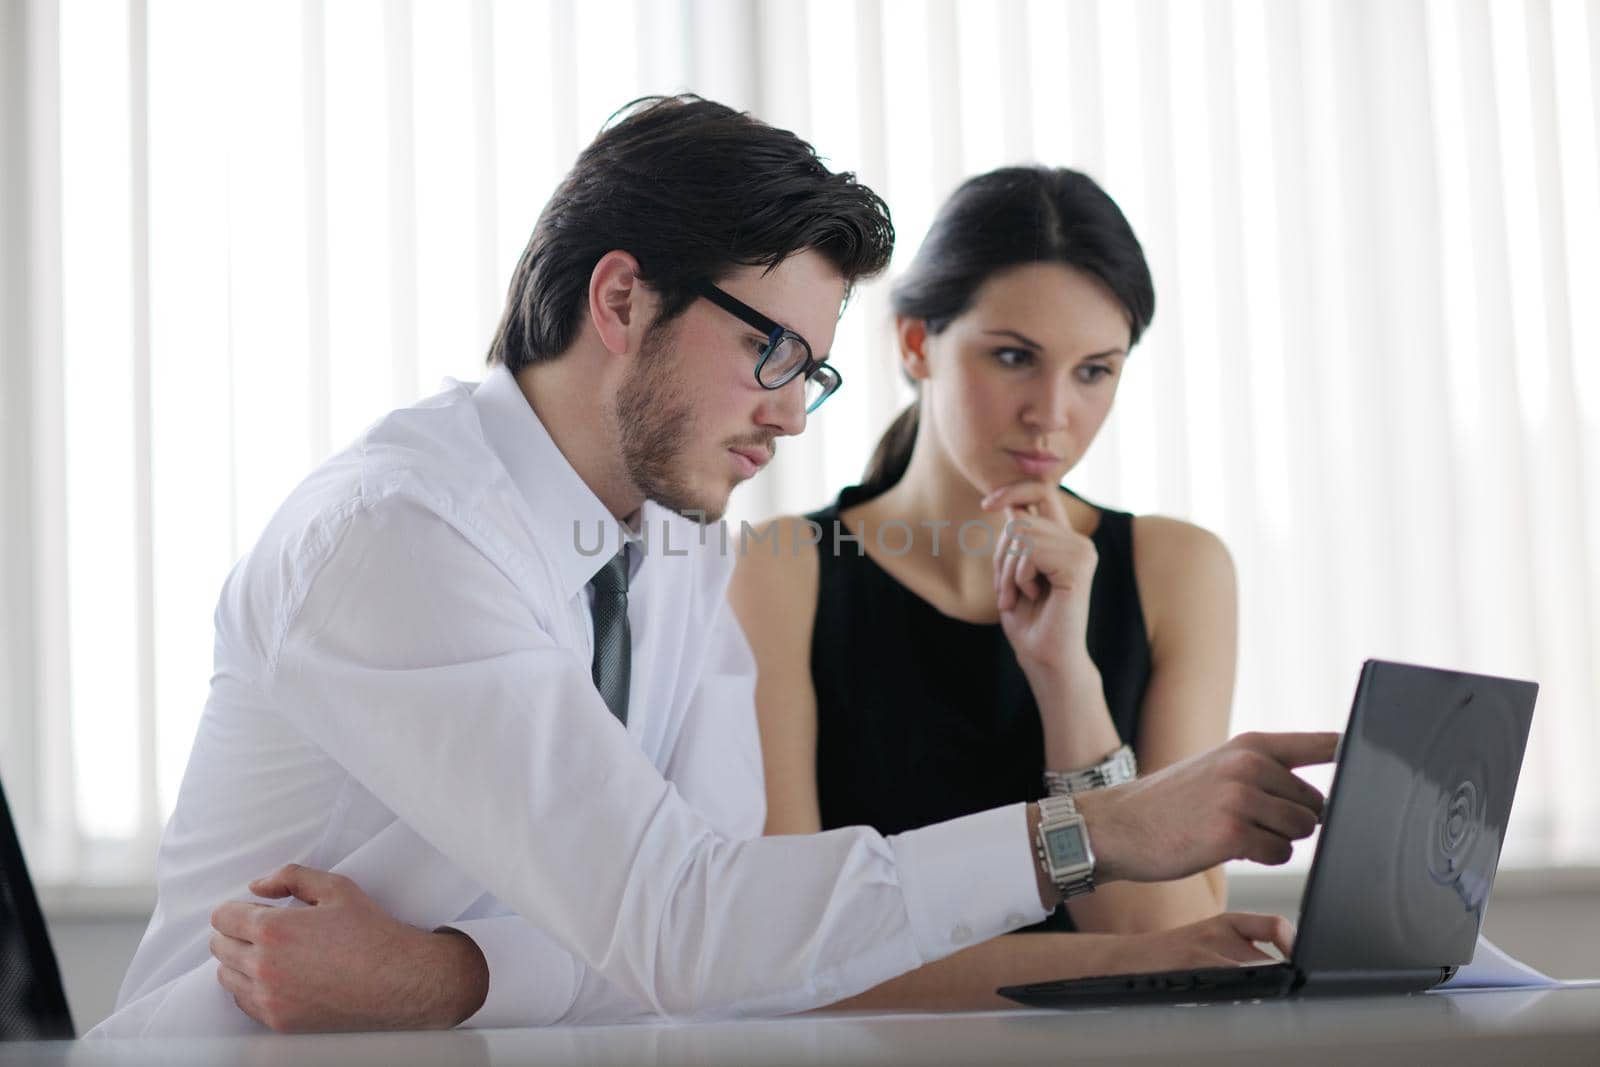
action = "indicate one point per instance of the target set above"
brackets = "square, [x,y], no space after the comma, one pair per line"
[402,694]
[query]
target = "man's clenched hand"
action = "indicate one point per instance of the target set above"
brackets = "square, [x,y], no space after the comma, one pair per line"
[342,962]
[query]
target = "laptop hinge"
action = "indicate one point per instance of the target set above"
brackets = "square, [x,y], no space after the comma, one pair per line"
[1322,983]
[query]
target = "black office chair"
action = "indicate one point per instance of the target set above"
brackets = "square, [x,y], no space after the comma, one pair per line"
[33,1006]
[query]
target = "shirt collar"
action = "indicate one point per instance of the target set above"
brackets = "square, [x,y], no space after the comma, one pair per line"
[574,530]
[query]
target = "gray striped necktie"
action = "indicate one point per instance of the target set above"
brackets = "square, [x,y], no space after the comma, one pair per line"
[612,651]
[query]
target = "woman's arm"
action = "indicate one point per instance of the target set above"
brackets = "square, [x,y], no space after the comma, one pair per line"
[1187,588]
[968,980]
[774,595]
[1043,576]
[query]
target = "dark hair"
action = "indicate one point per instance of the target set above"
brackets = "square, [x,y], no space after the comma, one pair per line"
[1003,219]
[691,189]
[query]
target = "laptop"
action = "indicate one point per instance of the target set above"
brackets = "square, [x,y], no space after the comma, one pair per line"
[1411,837]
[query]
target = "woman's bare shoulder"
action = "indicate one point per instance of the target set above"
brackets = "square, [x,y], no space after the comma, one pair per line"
[1178,564]
[1165,541]
[776,571]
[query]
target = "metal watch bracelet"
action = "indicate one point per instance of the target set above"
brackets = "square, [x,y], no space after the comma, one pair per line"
[1053,812]
[1115,769]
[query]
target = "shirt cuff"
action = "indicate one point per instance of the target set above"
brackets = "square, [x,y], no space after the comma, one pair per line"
[532,980]
[968,879]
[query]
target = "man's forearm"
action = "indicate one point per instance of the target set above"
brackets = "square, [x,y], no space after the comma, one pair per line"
[1107,837]
[1126,909]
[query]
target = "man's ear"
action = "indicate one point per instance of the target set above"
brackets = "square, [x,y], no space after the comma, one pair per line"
[620,305]
[912,335]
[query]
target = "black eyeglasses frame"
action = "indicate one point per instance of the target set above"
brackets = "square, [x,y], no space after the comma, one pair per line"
[776,334]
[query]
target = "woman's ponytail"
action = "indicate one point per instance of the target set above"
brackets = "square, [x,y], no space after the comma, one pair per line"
[893,454]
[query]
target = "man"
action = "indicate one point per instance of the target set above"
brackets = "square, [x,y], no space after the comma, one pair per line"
[529,761]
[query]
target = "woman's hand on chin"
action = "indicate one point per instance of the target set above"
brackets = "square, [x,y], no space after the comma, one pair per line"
[1043,569]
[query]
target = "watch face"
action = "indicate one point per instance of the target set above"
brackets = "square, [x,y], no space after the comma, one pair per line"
[1065,845]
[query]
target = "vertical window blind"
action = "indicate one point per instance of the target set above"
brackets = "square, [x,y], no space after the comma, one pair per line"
[238,232]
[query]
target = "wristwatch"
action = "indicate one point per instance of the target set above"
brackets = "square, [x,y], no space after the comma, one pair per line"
[1115,769]
[1063,846]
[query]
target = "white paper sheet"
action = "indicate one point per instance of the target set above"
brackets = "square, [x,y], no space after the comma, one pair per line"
[1491,968]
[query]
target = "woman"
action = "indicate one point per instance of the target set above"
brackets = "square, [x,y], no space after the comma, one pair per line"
[990,626]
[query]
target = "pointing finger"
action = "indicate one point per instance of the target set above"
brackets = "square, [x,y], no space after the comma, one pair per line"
[1293,749]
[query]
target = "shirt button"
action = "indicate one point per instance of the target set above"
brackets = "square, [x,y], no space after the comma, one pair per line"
[1015,919]
[961,934]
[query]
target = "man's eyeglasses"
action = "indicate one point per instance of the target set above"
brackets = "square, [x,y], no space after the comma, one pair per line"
[785,355]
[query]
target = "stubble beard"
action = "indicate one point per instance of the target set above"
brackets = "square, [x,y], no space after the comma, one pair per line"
[654,415]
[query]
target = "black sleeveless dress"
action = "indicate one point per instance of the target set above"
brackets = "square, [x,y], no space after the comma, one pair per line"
[922,717]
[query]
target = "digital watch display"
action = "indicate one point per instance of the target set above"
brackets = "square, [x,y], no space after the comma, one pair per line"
[1063,846]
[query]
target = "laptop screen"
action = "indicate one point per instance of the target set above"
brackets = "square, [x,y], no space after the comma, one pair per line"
[1415,820]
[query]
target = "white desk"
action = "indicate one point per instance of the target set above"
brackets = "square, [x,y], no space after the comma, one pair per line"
[1461,1030]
